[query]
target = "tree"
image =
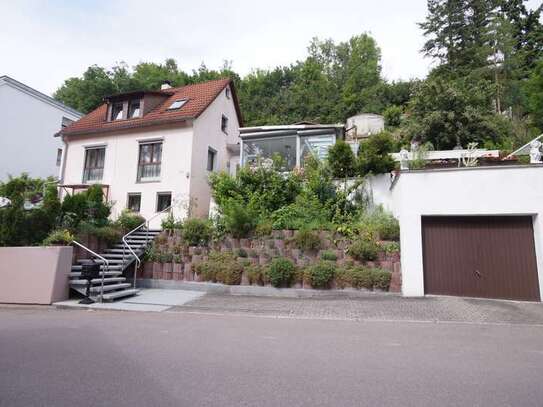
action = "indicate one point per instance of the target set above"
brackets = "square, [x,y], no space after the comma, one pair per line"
[374,154]
[341,160]
[534,92]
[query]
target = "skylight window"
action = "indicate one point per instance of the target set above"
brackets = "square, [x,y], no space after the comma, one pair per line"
[178,104]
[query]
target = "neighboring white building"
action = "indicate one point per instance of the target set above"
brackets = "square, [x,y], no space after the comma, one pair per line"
[364,125]
[153,149]
[28,121]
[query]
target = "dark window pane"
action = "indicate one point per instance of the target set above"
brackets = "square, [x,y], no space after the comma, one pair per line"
[149,160]
[134,202]
[210,160]
[164,200]
[134,109]
[224,124]
[117,111]
[94,164]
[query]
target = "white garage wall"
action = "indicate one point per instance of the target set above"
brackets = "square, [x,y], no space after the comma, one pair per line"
[508,190]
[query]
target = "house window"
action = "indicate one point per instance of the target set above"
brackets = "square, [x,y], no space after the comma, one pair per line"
[163,201]
[94,164]
[117,111]
[134,109]
[227,92]
[134,202]
[283,149]
[224,124]
[177,104]
[59,156]
[149,162]
[211,154]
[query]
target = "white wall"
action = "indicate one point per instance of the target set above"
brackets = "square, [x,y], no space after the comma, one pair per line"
[121,162]
[208,133]
[468,191]
[27,127]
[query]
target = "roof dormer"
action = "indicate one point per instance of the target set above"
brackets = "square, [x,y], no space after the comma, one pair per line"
[133,105]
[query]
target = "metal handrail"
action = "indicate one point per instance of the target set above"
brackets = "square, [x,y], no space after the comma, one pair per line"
[106,262]
[125,243]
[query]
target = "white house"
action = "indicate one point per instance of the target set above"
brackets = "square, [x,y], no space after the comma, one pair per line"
[153,149]
[28,121]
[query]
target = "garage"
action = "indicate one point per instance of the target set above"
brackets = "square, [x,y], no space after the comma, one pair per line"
[480,256]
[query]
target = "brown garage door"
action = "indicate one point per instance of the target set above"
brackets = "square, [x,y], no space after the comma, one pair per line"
[480,256]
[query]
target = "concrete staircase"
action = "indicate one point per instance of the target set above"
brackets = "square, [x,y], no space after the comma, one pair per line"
[115,285]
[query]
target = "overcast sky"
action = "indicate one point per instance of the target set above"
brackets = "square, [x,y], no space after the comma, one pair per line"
[42,43]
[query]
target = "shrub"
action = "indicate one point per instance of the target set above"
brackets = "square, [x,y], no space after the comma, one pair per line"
[391,247]
[197,231]
[381,279]
[374,154]
[320,275]
[129,220]
[256,274]
[169,223]
[281,272]
[220,267]
[380,222]
[307,240]
[329,255]
[110,234]
[305,212]
[393,116]
[241,252]
[360,277]
[364,249]
[341,160]
[58,237]
[263,229]
[88,206]
[239,219]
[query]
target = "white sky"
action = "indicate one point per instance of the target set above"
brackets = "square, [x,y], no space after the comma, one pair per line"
[43,43]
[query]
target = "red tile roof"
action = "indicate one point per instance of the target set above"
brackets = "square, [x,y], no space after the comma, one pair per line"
[199,97]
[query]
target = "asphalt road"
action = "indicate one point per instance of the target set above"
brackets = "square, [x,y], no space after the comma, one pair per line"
[51,357]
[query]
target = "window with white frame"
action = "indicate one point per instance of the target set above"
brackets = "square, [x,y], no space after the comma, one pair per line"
[211,155]
[116,111]
[94,164]
[134,109]
[224,124]
[134,202]
[163,201]
[150,161]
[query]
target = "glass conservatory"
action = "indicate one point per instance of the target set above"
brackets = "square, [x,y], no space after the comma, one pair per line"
[292,143]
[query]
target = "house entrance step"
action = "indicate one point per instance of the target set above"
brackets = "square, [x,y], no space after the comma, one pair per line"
[109,287]
[120,294]
[108,280]
[76,274]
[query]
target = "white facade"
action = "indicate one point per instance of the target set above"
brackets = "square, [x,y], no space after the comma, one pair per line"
[28,122]
[364,125]
[184,161]
[505,190]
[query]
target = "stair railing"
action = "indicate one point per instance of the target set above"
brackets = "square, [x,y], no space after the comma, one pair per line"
[104,261]
[144,226]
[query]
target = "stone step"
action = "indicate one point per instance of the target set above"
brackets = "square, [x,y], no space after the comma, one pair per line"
[119,294]
[111,262]
[114,267]
[110,287]
[76,274]
[107,280]
[120,255]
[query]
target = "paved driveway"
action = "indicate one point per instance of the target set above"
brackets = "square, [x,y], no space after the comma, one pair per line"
[374,308]
[52,357]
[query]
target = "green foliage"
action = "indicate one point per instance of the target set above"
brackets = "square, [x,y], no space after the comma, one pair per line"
[380,223]
[360,277]
[21,227]
[381,279]
[88,205]
[307,212]
[58,237]
[307,239]
[320,275]
[220,267]
[110,234]
[281,272]
[169,223]
[374,154]
[263,229]
[341,160]
[328,255]
[391,247]
[197,231]
[534,92]
[129,220]
[241,252]
[393,116]
[364,249]
[239,219]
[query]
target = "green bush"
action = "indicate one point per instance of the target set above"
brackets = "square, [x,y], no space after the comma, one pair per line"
[391,247]
[306,212]
[281,272]
[58,237]
[197,231]
[364,249]
[320,275]
[129,220]
[88,205]
[110,234]
[169,223]
[341,160]
[360,277]
[329,255]
[220,267]
[263,229]
[256,274]
[307,240]
[393,116]
[381,279]
[380,222]
[239,219]
[374,154]
[241,252]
